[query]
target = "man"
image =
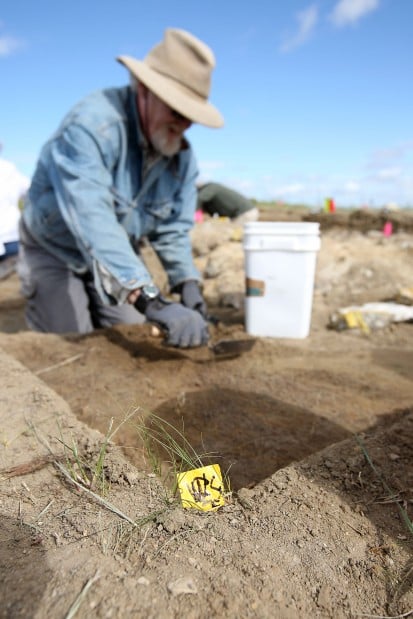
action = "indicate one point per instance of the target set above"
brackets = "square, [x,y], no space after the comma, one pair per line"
[217,199]
[117,170]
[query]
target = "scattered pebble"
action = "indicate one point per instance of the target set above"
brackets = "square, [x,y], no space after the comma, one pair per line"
[181,586]
[143,581]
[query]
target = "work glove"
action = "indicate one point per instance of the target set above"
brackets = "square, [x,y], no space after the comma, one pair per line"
[191,297]
[184,327]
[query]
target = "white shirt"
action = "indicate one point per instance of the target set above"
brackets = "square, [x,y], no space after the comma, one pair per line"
[13,186]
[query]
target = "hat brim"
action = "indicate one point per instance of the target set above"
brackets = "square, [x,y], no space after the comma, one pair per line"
[174,94]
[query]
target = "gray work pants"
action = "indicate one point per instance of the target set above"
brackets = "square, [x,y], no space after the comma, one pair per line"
[59,300]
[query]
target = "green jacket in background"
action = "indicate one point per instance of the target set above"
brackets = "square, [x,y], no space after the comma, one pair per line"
[214,198]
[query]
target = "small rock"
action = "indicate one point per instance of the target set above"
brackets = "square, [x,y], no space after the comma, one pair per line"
[131,477]
[181,586]
[245,496]
[143,581]
[172,521]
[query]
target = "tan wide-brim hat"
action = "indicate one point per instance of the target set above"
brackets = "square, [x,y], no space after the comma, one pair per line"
[178,71]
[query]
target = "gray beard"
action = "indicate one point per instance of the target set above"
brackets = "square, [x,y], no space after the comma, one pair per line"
[165,146]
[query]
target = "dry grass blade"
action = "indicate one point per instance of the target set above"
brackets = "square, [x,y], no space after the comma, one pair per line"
[403,513]
[60,364]
[95,496]
[178,448]
[91,474]
[80,598]
[173,538]
[159,436]
[44,510]
[409,612]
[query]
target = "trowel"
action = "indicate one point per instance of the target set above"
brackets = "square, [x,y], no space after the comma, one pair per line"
[222,349]
[231,348]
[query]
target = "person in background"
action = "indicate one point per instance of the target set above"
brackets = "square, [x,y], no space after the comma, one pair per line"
[218,200]
[13,186]
[118,170]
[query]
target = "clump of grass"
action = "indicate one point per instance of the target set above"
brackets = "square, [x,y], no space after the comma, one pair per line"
[165,444]
[90,474]
[79,473]
[166,448]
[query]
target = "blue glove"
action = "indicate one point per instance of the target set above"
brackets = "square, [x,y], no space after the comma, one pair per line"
[191,297]
[185,328]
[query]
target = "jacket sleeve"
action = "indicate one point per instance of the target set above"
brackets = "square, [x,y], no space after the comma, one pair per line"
[80,172]
[172,240]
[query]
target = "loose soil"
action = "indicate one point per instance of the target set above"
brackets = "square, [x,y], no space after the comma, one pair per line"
[315,436]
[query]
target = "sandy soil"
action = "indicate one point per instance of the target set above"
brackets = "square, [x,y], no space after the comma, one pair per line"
[315,434]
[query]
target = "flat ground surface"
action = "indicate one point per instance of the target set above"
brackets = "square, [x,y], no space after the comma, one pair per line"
[318,524]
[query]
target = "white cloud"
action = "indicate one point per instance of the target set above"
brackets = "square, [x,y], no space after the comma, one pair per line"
[290,190]
[389,156]
[13,185]
[389,174]
[244,186]
[307,21]
[350,11]
[351,187]
[8,45]
[206,166]
[12,181]
[208,171]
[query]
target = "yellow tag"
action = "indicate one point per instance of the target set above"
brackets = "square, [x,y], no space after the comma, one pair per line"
[202,488]
[236,234]
[355,320]
[351,320]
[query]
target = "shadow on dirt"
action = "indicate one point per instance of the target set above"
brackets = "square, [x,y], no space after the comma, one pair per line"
[400,361]
[135,343]
[251,435]
[24,573]
[12,318]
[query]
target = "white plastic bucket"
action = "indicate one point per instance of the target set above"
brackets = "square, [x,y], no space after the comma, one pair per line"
[280,261]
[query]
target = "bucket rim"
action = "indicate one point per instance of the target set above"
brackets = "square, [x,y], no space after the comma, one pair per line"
[282,227]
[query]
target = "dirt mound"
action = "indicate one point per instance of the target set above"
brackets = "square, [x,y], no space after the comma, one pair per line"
[318,524]
[364,220]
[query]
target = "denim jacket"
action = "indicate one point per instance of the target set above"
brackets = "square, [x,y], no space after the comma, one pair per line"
[88,204]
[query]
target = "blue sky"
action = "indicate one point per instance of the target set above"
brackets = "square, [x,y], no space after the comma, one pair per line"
[317,96]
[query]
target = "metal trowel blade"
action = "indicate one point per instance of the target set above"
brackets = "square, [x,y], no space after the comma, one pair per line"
[224,348]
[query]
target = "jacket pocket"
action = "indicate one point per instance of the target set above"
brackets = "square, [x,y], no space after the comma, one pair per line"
[161,208]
